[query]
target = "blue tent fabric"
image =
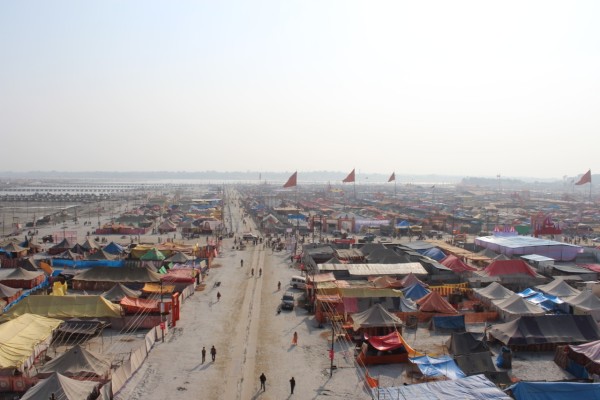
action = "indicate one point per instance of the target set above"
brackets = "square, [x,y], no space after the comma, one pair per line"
[82,264]
[476,387]
[415,292]
[454,323]
[555,391]
[433,367]
[547,302]
[528,292]
[435,254]
[113,248]
[403,225]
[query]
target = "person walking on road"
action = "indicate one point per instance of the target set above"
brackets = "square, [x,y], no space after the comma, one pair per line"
[203,354]
[241,263]
[292,384]
[252,272]
[218,296]
[260,272]
[263,380]
[278,286]
[295,339]
[213,353]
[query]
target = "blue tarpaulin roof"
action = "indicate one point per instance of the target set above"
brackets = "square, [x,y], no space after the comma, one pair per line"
[454,323]
[435,253]
[476,387]
[556,391]
[528,292]
[433,367]
[415,292]
[113,248]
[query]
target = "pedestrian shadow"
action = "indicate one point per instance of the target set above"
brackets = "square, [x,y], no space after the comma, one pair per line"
[292,346]
[257,394]
[200,367]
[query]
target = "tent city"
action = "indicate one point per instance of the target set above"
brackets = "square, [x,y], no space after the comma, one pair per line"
[479,289]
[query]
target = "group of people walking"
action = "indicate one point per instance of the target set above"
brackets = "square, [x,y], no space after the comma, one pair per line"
[213,353]
[263,383]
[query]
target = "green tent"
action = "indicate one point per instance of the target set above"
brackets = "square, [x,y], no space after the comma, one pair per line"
[153,255]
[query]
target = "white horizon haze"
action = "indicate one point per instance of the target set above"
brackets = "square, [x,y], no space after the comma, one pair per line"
[461,88]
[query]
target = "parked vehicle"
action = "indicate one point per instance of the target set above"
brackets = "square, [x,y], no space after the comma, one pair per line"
[298,282]
[287,301]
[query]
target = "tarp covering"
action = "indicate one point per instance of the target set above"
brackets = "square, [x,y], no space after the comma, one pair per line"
[435,367]
[153,255]
[21,275]
[77,306]
[475,363]
[124,275]
[158,289]
[586,300]
[515,305]
[376,316]
[390,342]
[587,355]
[119,291]
[411,279]
[102,255]
[386,282]
[555,391]
[465,343]
[77,361]
[547,329]
[415,292]
[456,265]
[9,293]
[386,269]
[325,277]
[509,267]
[494,291]
[62,388]
[113,248]
[476,387]
[449,323]
[558,288]
[179,257]
[21,336]
[132,305]
[407,305]
[435,254]
[434,302]
[528,293]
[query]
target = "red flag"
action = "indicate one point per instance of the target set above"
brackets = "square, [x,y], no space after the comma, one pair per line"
[291,182]
[586,178]
[392,177]
[349,178]
[372,382]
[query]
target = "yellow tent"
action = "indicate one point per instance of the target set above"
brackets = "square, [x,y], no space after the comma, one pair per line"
[77,306]
[24,338]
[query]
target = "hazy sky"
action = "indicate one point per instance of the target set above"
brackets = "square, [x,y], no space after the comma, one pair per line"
[473,88]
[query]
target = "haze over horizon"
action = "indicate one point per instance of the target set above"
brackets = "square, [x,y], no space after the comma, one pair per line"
[461,88]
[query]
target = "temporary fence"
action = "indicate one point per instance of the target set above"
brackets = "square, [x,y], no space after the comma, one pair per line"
[121,375]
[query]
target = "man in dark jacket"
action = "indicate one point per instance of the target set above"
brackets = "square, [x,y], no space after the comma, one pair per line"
[263,380]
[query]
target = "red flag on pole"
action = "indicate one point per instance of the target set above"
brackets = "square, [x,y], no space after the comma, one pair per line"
[586,178]
[392,177]
[349,178]
[372,382]
[292,180]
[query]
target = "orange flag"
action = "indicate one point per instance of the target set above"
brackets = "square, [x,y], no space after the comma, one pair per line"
[349,178]
[292,180]
[586,178]
[372,382]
